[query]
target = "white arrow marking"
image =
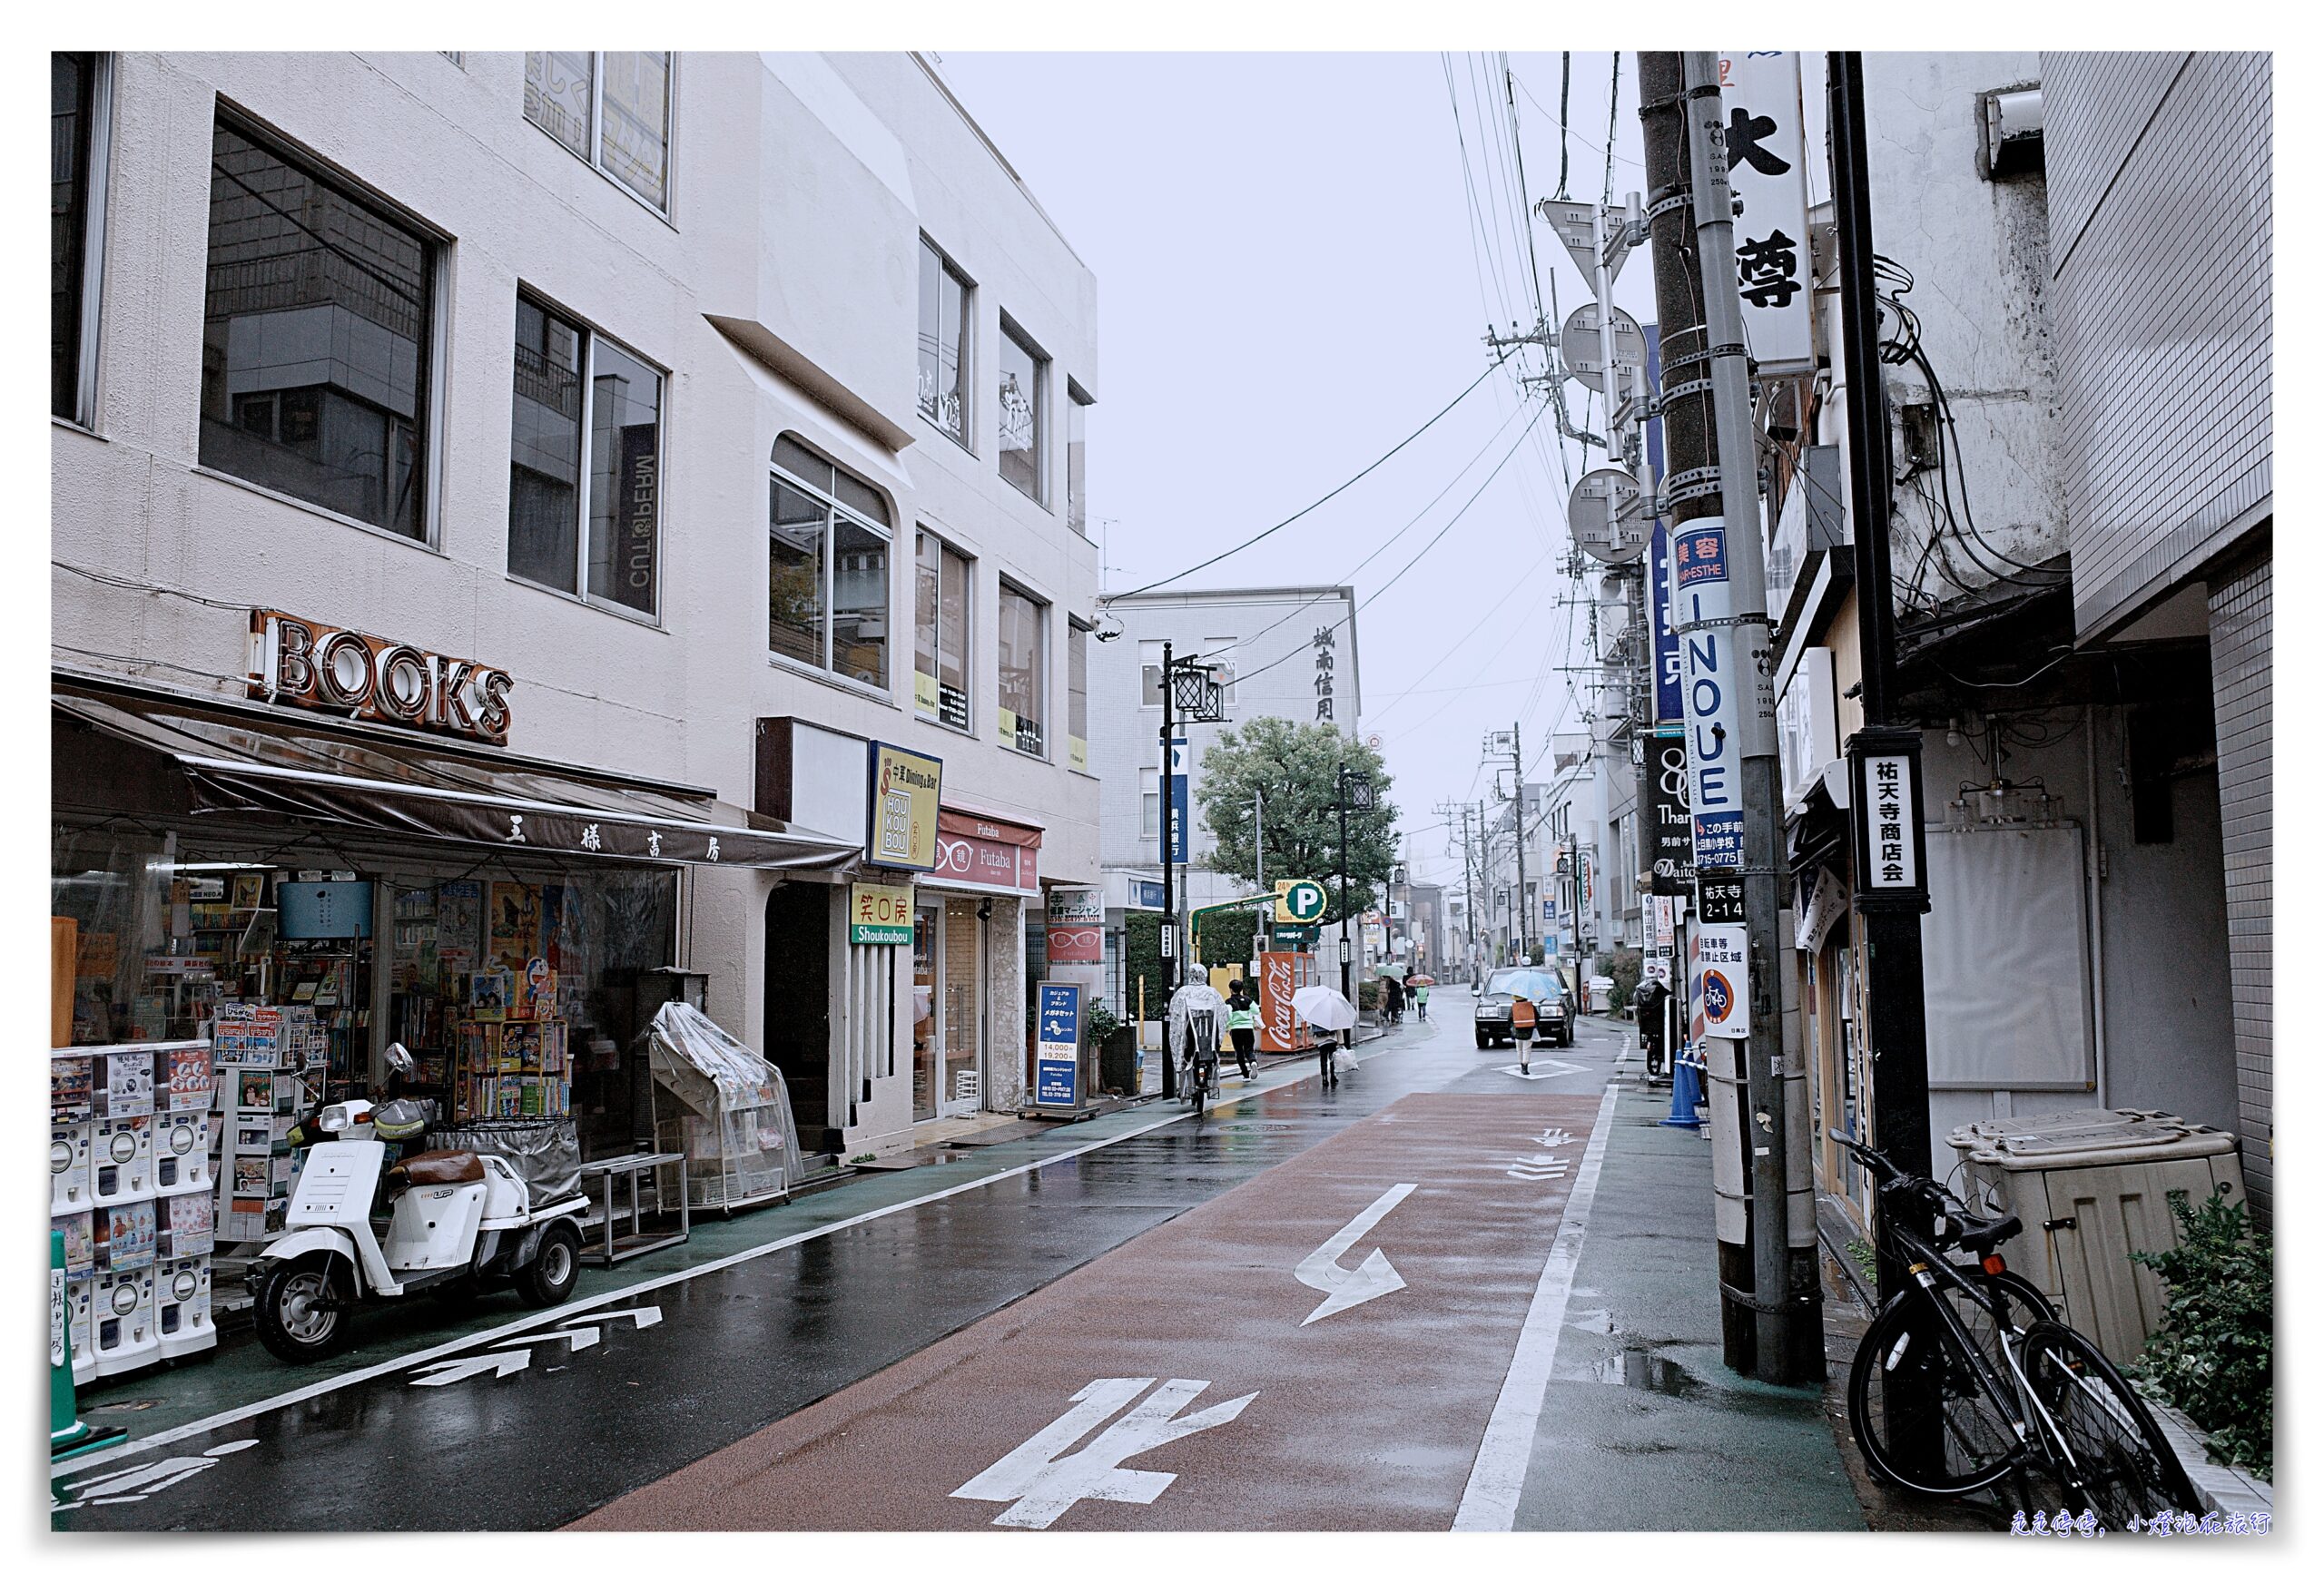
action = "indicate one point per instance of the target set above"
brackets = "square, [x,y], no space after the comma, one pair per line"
[1044,1484]
[1545,1070]
[1375,1277]
[457,1368]
[581,1336]
[119,1486]
[1555,1137]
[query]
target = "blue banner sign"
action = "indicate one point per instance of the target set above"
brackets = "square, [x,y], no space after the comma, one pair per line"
[1056,1060]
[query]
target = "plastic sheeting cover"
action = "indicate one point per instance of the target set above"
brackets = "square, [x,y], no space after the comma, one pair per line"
[546,1154]
[721,1080]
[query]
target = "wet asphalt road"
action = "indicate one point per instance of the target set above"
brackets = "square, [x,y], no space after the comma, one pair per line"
[697,1365]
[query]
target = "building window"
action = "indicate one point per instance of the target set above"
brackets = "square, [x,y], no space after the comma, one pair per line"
[1149,673]
[316,342]
[1077,695]
[1149,804]
[1076,461]
[1024,373]
[827,581]
[623,95]
[941,643]
[570,382]
[76,145]
[1023,671]
[943,343]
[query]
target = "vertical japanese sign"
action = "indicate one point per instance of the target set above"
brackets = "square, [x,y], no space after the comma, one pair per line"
[1722,979]
[1889,840]
[1714,681]
[1767,162]
[1175,801]
[1056,1060]
[1668,688]
[1326,642]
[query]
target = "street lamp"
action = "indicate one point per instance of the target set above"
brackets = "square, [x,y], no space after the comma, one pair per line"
[1190,690]
[1354,791]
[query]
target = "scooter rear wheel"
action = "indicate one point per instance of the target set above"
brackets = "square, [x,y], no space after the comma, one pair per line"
[549,1279]
[300,1309]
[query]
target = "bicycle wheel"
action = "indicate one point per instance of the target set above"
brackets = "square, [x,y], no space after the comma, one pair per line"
[1917,1409]
[2113,1459]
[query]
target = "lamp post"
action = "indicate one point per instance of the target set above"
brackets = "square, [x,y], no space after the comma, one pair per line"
[1354,791]
[1191,690]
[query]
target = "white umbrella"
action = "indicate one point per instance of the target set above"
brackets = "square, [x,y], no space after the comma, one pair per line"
[1321,1005]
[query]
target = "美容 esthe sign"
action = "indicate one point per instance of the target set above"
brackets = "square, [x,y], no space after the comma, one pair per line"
[905,789]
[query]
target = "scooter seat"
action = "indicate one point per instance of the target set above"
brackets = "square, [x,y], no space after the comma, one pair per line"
[438,1168]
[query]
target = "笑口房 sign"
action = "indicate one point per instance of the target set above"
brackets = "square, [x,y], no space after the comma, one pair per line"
[1057,1059]
[335,668]
[878,915]
[905,789]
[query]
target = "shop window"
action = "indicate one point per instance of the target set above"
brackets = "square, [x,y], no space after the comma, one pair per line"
[943,343]
[1024,379]
[940,632]
[1024,680]
[168,925]
[79,94]
[1077,459]
[609,107]
[316,353]
[576,389]
[1077,695]
[828,536]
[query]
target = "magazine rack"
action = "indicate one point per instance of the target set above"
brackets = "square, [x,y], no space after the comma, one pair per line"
[731,1120]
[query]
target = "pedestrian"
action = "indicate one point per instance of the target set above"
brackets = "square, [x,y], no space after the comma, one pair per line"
[1395,989]
[1648,1001]
[1420,1000]
[1242,1025]
[1326,1049]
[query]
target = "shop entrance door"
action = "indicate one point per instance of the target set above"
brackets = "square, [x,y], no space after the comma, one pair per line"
[927,957]
[961,1089]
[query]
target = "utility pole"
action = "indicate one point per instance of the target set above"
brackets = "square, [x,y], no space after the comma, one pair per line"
[1357,786]
[1169,893]
[1770,1308]
[1896,1013]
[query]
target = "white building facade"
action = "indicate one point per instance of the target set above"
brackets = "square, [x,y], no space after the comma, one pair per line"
[727,407]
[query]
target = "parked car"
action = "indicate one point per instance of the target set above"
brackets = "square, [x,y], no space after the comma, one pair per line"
[1552,1008]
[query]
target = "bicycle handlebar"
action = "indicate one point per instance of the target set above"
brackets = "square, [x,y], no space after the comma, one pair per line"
[1884,1170]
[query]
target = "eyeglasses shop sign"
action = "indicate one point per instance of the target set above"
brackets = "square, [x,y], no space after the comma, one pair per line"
[338,670]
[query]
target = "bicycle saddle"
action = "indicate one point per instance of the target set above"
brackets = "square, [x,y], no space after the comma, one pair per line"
[1982,1236]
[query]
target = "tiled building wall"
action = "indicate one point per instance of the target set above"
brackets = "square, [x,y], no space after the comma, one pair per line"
[2162,244]
[2242,634]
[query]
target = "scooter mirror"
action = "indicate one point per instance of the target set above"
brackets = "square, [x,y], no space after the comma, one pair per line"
[399,1060]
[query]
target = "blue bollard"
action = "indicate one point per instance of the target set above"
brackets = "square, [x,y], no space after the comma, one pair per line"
[1686,1090]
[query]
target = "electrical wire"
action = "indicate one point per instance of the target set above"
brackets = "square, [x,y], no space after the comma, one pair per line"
[1286,522]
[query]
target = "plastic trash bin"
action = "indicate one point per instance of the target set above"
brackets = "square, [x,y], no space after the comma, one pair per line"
[2091,1186]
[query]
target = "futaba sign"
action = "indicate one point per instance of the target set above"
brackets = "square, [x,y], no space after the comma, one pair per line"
[317,666]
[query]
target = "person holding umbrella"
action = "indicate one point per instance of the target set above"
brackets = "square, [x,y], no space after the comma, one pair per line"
[1327,1011]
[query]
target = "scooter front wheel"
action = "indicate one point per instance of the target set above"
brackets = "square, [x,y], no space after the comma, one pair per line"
[301,1309]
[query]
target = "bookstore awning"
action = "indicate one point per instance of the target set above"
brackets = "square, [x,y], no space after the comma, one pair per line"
[243,761]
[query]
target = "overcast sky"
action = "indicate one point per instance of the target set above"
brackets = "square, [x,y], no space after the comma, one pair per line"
[1291,277]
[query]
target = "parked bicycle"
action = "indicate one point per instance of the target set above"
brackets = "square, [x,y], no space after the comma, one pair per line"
[1967,1376]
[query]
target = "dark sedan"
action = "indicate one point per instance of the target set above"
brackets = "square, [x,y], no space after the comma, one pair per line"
[1553,1011]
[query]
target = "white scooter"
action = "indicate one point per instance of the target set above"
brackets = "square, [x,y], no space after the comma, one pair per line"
[457,1222]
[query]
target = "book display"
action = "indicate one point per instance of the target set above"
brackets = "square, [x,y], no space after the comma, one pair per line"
[272,1064]
[131,1173]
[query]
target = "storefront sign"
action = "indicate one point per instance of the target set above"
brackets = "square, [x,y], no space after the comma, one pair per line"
[878,915]
[1176,800]
[991,854]
[1827,905]
[344,672]
[1722,979]
[1146,894]
[639,505]
[1300,901]
[1673,831]
[905,790]
[1767,166]
[1076,927]
[1056,1062]
[1718,655]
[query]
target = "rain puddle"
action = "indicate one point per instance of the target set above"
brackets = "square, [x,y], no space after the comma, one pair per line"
[1648,1370]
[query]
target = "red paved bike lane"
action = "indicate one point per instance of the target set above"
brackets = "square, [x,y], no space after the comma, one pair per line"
[1355,1399]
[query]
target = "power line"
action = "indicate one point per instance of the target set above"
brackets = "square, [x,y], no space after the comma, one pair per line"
[1303,510]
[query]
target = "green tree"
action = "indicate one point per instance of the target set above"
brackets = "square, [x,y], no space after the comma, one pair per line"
[1294,767]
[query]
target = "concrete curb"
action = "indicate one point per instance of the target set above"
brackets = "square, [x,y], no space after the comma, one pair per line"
[2223,1489]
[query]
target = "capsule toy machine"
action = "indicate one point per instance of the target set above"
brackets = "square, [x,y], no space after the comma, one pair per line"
[186,1235]
[72,1134]
[182,1084]
[121,1089]
[123,1297]
[80,1290]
